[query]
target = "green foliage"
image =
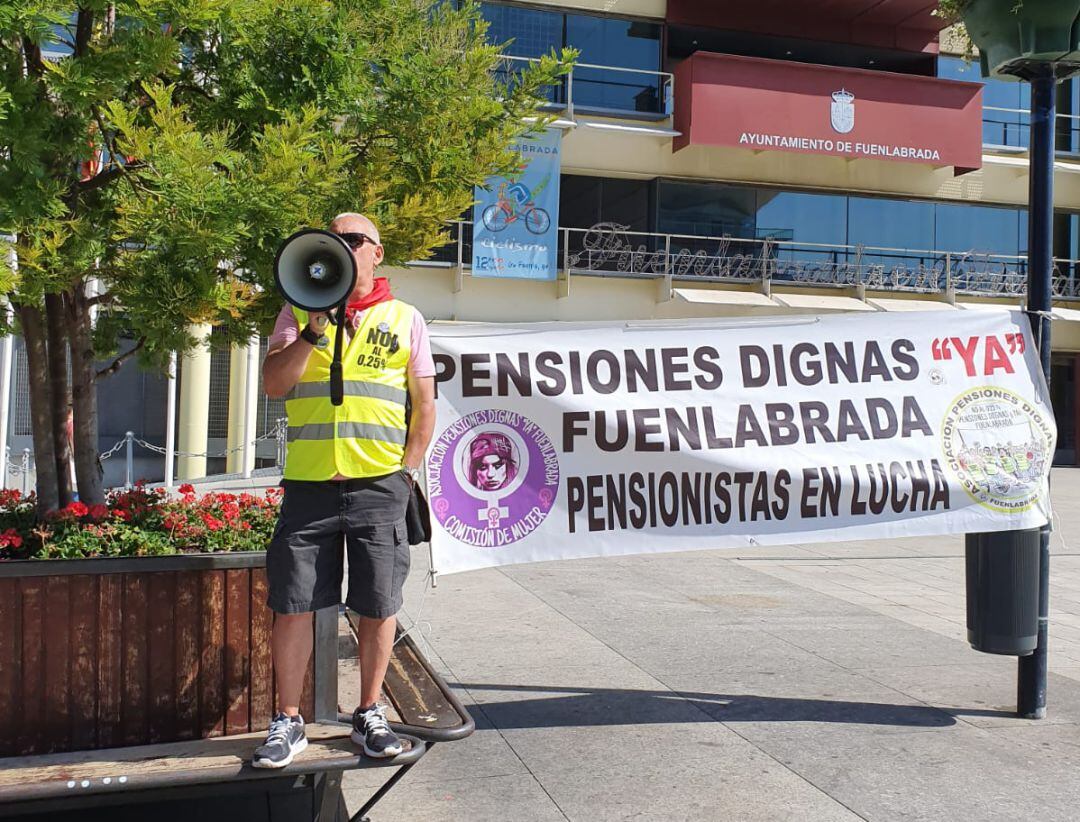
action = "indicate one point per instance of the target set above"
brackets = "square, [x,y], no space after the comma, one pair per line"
[224,125]
[951,11]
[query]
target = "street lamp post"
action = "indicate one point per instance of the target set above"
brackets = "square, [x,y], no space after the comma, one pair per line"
[1031,672]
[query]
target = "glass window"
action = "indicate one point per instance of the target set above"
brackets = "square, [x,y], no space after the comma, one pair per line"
[1005,104]
[608,42]
[981,229]
[579,201]
[701,209]
[527,33]
[900,224]
[605,41]
[805,218]
[1068,126]
[904,226]
[626,202]
[533,32]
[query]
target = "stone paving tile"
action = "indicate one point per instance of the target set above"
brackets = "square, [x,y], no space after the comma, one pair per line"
[519,797]
[749,788]
[484,755]
[960,773]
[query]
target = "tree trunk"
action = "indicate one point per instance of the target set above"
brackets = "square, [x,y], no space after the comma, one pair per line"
[37,356]
[88,470]
[61,392]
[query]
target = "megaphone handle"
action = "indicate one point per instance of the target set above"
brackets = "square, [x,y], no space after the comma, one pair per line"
[337,383]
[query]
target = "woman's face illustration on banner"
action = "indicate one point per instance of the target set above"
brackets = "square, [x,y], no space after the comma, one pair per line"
[491,473]
[492,462]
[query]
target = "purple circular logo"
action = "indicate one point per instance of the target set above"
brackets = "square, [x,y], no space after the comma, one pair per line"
[492,478]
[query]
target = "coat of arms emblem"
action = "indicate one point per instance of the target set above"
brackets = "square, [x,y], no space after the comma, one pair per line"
[842,112]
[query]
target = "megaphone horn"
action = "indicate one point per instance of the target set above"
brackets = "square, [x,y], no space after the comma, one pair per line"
[315,270]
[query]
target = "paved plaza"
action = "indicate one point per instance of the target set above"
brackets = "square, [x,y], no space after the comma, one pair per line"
[814,682]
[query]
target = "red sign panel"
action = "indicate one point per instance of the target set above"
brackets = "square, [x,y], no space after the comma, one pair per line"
[773,105]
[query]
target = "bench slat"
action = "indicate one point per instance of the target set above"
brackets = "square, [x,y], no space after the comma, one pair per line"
[179,763]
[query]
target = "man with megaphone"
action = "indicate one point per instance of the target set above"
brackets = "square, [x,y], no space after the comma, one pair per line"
[346,355]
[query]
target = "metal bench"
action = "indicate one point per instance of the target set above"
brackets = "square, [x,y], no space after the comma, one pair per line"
[420,706]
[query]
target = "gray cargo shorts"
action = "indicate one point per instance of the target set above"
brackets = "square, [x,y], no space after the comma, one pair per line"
[305,560]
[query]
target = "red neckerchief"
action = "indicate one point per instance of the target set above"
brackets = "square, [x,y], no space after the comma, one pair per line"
[380,293]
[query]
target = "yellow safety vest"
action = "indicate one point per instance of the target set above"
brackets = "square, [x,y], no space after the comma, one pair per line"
[365,435]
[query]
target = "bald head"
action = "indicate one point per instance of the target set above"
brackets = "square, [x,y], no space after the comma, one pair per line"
[367,255]
[353,222]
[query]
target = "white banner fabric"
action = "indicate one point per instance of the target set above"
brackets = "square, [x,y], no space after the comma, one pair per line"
[561,440]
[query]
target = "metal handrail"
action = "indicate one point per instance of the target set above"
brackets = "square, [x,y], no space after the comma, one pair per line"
[613,250]
[1028,112]
[665,84]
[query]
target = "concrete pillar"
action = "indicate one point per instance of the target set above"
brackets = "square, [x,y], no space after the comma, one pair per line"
[234,432]
[170,424]
[195,405]
[243,407]
[7,366]
[251,406]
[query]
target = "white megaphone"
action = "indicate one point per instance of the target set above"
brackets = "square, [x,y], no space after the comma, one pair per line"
[315,270]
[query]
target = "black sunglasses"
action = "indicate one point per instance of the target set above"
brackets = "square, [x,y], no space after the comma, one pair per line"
[355,239]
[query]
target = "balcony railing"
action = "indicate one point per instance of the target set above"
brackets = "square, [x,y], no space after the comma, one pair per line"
[1010,128]
[610,249]
[588,88]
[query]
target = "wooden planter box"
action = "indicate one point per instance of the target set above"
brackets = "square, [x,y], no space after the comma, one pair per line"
[101,653]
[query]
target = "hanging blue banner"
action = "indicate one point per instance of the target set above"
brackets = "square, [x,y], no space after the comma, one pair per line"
[516,219]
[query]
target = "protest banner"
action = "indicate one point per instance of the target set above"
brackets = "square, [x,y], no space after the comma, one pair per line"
[560,440]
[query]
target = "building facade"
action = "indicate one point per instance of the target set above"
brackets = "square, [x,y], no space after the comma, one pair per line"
[737,159]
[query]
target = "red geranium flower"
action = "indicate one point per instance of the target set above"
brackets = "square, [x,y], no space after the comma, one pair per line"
[10,539]
[122,514]
[186,488]
[99,511]
[79,509]
[212,523]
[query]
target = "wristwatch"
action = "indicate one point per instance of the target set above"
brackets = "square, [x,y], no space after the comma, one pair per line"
[411,473]
[310,335]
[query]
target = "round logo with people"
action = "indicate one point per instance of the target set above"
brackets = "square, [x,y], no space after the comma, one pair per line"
[1000,446]
[493,477]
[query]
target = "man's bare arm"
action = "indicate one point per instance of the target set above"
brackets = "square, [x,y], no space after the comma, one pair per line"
[284,365]
[421,421]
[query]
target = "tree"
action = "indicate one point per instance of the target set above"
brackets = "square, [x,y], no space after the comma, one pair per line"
[148,174]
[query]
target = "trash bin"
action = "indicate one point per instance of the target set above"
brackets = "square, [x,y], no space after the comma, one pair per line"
[1003,591]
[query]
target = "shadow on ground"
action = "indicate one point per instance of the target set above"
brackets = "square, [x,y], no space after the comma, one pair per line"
[560,706]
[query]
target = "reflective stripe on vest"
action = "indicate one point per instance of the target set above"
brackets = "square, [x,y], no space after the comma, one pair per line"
[356,430]
[365,435]
[353,388]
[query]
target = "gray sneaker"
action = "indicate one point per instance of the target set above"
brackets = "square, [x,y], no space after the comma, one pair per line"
[371,730]
[284,741]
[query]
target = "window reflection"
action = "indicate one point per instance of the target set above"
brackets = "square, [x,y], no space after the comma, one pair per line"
[608,42]
[624,43]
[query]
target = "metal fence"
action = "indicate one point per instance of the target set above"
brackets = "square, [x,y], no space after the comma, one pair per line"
[611,249]
[1011,128]
[21,469]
